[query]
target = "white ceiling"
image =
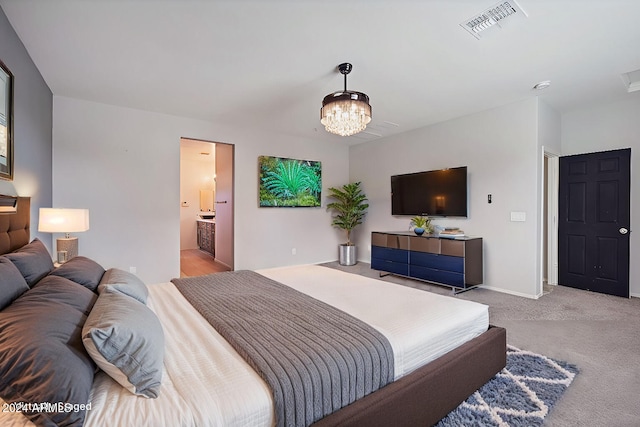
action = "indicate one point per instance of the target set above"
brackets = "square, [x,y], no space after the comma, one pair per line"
[268,64]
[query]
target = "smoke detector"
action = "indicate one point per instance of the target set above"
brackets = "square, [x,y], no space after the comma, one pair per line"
[632,80]
[495,17]
[542,85]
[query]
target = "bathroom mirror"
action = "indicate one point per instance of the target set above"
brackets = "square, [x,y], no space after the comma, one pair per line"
[206,200]
[6,123]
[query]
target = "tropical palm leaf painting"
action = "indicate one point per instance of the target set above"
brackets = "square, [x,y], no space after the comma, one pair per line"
[289,182]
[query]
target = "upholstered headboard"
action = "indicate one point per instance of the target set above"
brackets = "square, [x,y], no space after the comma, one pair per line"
[14,227]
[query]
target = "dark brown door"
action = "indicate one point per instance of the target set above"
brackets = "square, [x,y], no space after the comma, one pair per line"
[594,221]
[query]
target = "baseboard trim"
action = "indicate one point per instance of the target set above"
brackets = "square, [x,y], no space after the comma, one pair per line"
[510,292]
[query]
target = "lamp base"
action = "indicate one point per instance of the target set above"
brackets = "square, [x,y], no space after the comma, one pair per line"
[68,246]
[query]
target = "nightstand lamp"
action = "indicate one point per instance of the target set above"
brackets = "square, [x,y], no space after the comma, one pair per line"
[64,221]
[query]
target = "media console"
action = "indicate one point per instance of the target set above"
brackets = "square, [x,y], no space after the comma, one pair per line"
[444,261]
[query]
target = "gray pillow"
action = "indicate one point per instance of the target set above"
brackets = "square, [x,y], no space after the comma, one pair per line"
[125,339]
[42,358]
[12,284]
[124,282]
[33,261]
[65,291]
[81,270]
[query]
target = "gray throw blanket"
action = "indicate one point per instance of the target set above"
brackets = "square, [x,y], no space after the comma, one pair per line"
[316,358]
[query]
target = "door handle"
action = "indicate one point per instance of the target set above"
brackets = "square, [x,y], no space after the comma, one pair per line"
[223,201]
[623,230]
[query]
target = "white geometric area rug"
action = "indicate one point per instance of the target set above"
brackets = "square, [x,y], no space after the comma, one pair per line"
[522,394]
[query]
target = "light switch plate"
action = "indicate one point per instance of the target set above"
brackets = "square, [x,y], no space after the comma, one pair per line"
[518,216]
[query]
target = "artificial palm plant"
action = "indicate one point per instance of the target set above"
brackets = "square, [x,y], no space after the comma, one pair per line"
[422,222]
[350,207]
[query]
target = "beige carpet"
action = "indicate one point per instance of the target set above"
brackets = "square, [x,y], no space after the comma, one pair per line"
[598,333]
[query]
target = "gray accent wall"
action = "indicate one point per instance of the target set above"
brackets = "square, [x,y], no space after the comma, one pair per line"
[33,121]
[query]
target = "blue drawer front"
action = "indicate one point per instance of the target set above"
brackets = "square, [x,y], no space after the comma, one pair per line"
[390,254]
[438,276]
[440,262]
[389,266]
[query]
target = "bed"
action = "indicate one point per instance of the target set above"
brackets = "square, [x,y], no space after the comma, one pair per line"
[205,381]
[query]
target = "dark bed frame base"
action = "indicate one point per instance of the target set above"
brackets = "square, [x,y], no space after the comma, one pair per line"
[426,395]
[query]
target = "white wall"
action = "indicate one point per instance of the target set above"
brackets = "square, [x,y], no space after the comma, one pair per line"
[549,141]
[500,148]
[123,165]
[610,127]
[549,128]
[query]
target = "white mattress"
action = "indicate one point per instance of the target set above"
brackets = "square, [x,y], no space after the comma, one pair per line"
[421,326]
[206,383]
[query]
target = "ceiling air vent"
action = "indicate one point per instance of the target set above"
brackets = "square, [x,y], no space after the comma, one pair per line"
[494,17]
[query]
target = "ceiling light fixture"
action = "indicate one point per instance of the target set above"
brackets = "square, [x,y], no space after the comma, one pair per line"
[345,112]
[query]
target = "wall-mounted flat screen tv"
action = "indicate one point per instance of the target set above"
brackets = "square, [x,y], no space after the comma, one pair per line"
[433,193]
[289,182]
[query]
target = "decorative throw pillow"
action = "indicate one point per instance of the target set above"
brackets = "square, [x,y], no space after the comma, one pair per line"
[42,358]
[125,339]
[33,261]
[124,282]
[81,270]
[12,284]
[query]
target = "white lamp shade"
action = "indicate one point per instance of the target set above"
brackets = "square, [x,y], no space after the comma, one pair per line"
[63,220]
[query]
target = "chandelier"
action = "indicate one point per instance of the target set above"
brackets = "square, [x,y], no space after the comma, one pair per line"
[346,112]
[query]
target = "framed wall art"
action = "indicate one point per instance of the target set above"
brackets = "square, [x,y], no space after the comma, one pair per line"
[6,123]
[287,182]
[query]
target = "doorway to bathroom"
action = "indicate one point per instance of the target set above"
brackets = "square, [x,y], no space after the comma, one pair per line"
[206,207]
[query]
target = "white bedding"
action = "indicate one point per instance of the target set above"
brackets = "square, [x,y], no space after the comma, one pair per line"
[421,326]
[206,383]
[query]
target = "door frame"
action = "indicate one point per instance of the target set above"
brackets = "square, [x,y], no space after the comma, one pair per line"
[629,226]
[550,182]
[232,196]
[553,183]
